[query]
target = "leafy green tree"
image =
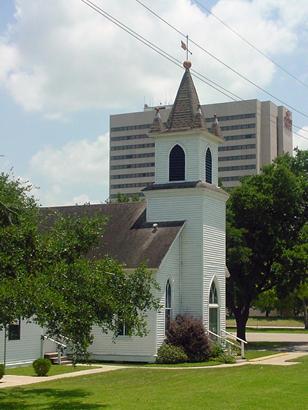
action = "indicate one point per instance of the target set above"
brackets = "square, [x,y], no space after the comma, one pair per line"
[265,216]
[19,247]
[266,301]
[48,274]
[302,294]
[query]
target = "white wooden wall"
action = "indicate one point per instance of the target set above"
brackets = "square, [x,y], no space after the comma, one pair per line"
[195,147]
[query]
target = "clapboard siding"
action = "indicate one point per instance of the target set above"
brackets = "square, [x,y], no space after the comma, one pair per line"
[184,205]
[25,350]
[195,147]
[214,255]
[169,270]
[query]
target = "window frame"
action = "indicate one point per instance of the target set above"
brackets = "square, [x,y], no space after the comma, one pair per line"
[12,333]
[171,166]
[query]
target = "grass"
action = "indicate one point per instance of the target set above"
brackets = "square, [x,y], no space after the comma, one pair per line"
[55,369]
[196,364]
[252,387]
[255,353]
[271,321]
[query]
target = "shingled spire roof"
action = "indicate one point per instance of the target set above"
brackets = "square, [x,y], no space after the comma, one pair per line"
[186,111]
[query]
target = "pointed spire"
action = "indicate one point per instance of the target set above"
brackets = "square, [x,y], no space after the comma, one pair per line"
[157,125]
[186,112]
[216,127]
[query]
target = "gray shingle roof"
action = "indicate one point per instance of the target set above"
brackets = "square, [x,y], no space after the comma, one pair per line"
[127,237]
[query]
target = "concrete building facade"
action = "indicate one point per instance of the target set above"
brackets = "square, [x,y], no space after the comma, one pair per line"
[254,133]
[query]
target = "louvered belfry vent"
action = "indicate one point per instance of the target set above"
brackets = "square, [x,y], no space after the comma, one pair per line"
[208,166]
[177,164]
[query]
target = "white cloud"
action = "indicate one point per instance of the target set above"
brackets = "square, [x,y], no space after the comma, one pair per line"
[77,172]
[61,56]
[301,141]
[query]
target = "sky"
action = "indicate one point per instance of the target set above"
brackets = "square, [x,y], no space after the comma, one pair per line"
[64,69]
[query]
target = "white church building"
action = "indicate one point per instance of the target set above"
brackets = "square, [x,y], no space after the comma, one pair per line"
[178,231]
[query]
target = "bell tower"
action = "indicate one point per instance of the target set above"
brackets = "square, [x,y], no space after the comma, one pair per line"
[186,188]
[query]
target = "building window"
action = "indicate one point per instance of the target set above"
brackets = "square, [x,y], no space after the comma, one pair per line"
[14,330]
[214,310]
[208,166]
[177,164]
[213,295]
[123,330]
[168,306]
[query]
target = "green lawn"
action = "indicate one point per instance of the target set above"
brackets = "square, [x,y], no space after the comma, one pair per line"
[55,369]
[255,353]
[272,330]
[197,364]
[250,387]
[272,321]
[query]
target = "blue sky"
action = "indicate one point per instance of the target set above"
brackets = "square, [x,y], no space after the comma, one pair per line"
[64,70]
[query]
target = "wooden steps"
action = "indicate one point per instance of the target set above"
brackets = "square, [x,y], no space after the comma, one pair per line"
[53,357]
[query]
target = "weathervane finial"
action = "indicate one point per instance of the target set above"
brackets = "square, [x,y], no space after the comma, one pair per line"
[187,63]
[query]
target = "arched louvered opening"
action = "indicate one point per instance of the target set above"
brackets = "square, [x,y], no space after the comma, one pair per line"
[208,166]
[168,305]
[177,164]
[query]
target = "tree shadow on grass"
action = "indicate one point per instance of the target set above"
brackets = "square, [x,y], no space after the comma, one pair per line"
[47,399]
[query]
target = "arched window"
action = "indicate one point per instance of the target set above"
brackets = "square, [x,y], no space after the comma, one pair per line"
[168,305]
[213,295]
[214,310]
[177,164]
[208,166]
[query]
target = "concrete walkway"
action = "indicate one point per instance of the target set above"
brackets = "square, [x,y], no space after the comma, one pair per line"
[10,380]
[280,359]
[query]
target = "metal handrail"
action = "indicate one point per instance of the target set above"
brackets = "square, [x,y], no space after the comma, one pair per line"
[43,337]
[234,336]
[220,337]
[242,341]
[54,341]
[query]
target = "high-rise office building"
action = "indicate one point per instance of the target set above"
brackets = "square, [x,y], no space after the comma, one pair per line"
[255,132]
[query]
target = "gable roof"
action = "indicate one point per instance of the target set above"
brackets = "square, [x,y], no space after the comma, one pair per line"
[127,238]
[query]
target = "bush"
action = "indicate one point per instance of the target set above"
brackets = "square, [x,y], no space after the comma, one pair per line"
[189,333]
[41,366]
[226,358]
[170,354]
[216,350]
[1,371]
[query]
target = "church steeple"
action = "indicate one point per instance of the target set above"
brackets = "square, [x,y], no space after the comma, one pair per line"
[186,111]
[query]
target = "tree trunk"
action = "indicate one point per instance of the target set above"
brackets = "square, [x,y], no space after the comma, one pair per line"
[241,317]
[305,314]
[267,314]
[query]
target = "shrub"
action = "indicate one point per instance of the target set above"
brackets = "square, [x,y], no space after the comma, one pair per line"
[169,354]
[216,350]
[189,333]
[1,371]
[226,358]
[41,366]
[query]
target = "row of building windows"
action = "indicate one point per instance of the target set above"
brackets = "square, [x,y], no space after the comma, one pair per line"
[145,155]
[135,185]
[236,127]
[131,127]
[237,157]
[129,137]
[239,137]
[133,146]
[132,195]
[236,168]
[128,166]
[138,175]
[235,147]
[232,117]
[235,178]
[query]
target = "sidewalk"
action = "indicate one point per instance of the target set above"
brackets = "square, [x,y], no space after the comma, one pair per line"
[14,381]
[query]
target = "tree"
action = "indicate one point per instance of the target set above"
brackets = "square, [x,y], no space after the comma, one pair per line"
[47,273]
[265,216]
[266,301]
[302,294]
